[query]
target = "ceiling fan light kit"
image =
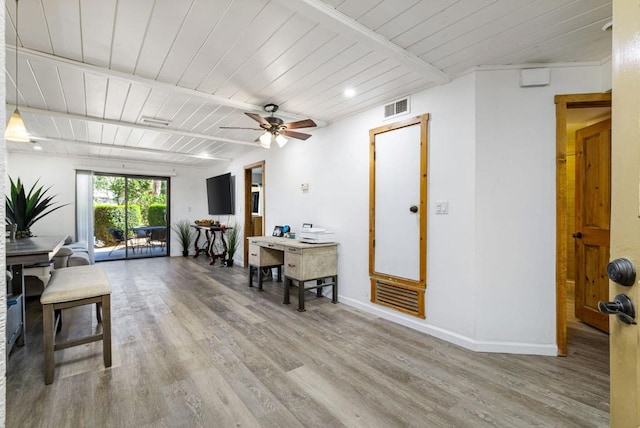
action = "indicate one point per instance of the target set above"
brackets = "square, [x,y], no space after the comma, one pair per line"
[265,140]
[16,131]
[275,128]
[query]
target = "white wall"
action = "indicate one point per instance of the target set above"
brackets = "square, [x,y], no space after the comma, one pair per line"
[188,187]
[491,260]
[515,204]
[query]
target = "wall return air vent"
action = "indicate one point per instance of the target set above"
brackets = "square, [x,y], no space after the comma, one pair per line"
[396,108]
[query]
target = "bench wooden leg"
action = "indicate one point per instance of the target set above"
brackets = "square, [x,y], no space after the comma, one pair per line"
[106,329]
[49,339]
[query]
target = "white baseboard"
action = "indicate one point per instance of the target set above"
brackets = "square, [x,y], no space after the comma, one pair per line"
[449,336]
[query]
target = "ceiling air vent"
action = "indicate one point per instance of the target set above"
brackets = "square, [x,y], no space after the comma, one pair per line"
[396,108]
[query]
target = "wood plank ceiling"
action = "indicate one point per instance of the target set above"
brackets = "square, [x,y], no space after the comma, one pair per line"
[91,70]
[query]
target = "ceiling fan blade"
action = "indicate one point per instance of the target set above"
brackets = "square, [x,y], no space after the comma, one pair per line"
[239,127]
[307,123]
[258,119]
[294,134]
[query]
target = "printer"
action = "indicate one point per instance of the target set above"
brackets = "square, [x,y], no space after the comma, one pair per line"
[316,235]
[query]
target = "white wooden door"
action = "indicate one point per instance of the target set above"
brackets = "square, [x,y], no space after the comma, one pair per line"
[398,217]
[397,228]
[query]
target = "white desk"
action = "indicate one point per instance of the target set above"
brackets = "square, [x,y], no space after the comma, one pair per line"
[302,263]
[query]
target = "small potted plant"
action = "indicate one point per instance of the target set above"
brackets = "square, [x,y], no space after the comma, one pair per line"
[233,240]
[183,230]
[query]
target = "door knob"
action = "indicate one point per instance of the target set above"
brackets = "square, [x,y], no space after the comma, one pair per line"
[622,271]
[577,235]
[413,209]
[622,306]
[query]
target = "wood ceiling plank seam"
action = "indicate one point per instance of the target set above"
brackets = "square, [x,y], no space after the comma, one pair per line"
[62,26]
[406,21]
[32,74]
[601,15]
[506,37]
[320,75]
[136,98]
[154,47]
[336,80]
[274,64]
[308,51]
[89,69]
[356,9]
[437,22]
[144,37]
[48,82]
[466,16]
[382,99]
[212,123]
[384,12]
[73,87]
[288,33]
[128,34]
[46,25]
[200,68]
[97,20]
[262,35]
[192,115]
[341,23]
[366,86]
[462,56]
[191,42]
[61,87]
[32,26]
[536,31]
[493,19]
[576,37]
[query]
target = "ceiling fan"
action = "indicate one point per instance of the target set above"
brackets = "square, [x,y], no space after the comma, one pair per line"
[275,128]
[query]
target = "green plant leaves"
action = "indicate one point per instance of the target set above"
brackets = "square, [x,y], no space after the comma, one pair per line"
[24,209]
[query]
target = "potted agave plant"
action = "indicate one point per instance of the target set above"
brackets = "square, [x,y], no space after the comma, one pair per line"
[24,209]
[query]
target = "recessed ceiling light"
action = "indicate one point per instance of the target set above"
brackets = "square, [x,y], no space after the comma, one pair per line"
[349,92]
[37,146]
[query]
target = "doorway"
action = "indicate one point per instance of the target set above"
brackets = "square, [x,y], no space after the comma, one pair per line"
[131,216]
[254,203]
[573,112]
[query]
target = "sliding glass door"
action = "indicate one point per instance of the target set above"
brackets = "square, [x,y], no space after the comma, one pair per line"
[131,216]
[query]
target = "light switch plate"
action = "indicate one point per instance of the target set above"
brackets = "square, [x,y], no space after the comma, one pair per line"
[442,207]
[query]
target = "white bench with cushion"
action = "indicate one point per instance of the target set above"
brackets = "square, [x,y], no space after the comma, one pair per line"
[68,288]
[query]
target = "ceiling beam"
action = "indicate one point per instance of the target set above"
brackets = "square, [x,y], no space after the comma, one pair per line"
[319,11]
[150,83]
[126,148]
[171,131]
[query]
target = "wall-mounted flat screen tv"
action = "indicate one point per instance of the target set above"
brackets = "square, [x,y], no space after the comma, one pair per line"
[220,195]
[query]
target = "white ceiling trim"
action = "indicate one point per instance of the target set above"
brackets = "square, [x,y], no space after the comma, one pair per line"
[321,12]
[172,131]
[154,84]
[127,148]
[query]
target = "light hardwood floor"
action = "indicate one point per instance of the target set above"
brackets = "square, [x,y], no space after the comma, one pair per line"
[194,346]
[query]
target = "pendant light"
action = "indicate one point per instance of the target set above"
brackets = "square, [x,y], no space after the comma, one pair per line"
[16,130]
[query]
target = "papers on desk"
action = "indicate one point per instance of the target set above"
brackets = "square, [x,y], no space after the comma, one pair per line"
[316,235]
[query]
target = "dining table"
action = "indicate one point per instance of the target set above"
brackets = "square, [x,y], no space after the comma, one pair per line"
[25,252]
